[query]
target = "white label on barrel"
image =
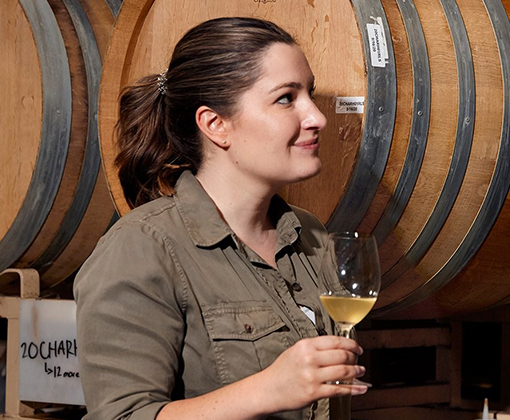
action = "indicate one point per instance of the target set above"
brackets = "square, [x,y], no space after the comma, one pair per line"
[350,105]
[378,48]
[384,43]
[48,363]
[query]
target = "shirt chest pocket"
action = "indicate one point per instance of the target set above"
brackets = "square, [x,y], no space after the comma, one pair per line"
[246,337]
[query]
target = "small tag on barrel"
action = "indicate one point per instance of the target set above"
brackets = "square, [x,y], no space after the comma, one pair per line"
[378,48]
[350,104]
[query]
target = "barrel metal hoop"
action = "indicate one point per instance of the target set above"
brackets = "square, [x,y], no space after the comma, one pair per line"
[114,219]
[56,126]
[461,150]
[498,187]
[419,126]
[114,6]
[380,112]
[92,158]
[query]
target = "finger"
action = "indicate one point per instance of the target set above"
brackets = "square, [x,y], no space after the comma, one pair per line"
[333,390]
[339,373]
[335,357]
[326,342]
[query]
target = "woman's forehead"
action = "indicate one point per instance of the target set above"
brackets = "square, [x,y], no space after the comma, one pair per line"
[284,64]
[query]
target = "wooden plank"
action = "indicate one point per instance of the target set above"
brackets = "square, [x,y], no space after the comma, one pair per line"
[456,366]
[505,364]
[443,364]
[498,314]
[12,403]
[9,307]
[414,413]
[402,397]
[402,338]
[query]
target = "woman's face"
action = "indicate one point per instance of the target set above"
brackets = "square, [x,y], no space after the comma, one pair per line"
[274,134]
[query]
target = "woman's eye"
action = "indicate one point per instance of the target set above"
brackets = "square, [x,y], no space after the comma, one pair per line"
[312,93]
[285,99]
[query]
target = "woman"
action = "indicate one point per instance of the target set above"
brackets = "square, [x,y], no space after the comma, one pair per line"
[202,302]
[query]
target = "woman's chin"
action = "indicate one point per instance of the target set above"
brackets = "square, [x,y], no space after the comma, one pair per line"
[312,171]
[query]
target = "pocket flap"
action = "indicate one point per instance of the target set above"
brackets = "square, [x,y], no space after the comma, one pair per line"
[241,321]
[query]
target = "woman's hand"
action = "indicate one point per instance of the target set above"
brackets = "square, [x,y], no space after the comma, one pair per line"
[302,374]
[308,370]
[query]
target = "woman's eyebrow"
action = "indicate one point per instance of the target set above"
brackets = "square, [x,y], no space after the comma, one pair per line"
[295,85]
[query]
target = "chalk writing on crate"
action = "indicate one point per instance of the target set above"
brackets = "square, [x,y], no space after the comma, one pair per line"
[57,372]
[51,350]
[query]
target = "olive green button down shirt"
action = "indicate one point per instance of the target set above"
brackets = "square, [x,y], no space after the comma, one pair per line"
[172,305]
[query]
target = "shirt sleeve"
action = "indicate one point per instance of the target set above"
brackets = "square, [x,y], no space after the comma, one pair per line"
[130,323]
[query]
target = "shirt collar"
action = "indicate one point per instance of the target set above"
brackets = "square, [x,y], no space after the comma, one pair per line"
[205,225]
[287,224]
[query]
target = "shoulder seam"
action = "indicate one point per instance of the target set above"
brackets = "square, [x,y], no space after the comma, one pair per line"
[166,240]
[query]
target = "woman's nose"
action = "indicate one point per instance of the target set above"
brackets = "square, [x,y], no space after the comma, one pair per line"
[314,118]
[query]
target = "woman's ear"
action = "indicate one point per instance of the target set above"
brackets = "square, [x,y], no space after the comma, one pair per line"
[212,125]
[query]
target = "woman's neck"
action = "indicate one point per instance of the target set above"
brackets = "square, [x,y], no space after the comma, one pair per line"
[239,204]
[245,208]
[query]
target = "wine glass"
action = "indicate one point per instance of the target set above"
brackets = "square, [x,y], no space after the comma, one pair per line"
[349,281]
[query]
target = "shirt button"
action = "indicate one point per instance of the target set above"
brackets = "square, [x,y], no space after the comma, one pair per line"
[322,331]
[296,287]
[248,328]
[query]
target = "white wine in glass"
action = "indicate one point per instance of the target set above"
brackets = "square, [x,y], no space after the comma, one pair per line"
[347,310]
[349,280]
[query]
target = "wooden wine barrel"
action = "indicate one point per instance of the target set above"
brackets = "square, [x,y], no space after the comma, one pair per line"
[54,196]
[423,165]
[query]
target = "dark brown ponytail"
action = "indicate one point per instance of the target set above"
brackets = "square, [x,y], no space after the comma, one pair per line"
[147,159]
[212,65]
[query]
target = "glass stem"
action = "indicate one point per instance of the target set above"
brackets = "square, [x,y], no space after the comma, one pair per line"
[345,330]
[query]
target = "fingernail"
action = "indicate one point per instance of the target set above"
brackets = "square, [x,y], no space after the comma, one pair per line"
[361,390]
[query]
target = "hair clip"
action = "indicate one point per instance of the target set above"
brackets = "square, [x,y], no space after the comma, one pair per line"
[162,83]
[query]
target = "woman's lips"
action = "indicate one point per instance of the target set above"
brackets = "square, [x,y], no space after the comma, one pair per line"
[308,144]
